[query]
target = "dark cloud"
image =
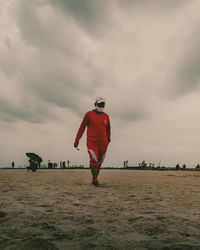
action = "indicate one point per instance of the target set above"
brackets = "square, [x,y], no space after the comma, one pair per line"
[59,93]
[188,72]
[12,112]
[185,75]
[131,114]
[42,36]
[154,5]
[129,106]
[56,63]
[92,15]
[55,69]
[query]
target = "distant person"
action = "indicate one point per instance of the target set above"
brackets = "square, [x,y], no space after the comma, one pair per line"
[98,136]
[143,164]
[61,164]
[125,164]
[64,166]
[13,164]
[68,163]
[33,165]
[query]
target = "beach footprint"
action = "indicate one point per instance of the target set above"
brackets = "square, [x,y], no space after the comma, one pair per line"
[35,243]
[3,214]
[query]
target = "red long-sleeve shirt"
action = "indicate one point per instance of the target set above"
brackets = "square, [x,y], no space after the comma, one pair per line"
[98,126]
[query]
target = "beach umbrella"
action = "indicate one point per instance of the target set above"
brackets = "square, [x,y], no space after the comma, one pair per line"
[34,157]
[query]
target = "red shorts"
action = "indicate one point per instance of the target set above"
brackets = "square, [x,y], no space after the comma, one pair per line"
[97,152]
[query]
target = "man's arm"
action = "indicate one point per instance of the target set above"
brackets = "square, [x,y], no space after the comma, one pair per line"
[108,128]
[81,129]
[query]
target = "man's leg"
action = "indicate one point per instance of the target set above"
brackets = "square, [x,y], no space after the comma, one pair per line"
[101,153]
[94,164]
[95,172]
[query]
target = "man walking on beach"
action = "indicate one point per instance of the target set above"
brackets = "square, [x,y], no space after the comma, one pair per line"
[98,136]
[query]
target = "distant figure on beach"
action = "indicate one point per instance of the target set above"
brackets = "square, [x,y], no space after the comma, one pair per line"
[177,167]
[13,164]
[68,163]
[33,165]
[198,166]
[142,164]
[98,136]
[64,166]
[125,164]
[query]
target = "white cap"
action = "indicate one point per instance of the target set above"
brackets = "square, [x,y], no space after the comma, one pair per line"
[100,99]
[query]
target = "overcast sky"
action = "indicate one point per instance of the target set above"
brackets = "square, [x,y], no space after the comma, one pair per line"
[143,56]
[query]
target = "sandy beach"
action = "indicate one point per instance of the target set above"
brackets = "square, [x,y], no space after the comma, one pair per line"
[60,209]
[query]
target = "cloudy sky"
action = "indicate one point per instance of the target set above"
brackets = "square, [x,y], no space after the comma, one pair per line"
[143,56]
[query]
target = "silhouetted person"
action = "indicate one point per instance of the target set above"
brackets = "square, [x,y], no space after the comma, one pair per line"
[125,164]
[13,164]
[177,167]
[64,166]
[68,163]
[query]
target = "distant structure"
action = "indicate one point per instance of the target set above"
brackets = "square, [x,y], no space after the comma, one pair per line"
[184,166]
[13,164]
[50,164]
[151,165]
[159,164]
[177,167]
[68,163]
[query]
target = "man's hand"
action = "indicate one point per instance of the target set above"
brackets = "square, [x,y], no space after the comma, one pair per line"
[76,144]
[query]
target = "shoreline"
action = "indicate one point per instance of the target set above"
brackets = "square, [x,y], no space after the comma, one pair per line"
[109,168]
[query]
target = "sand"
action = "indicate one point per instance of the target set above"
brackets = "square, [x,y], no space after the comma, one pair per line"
[60,209]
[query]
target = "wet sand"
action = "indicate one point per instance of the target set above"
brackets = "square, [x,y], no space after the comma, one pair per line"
[60,209]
